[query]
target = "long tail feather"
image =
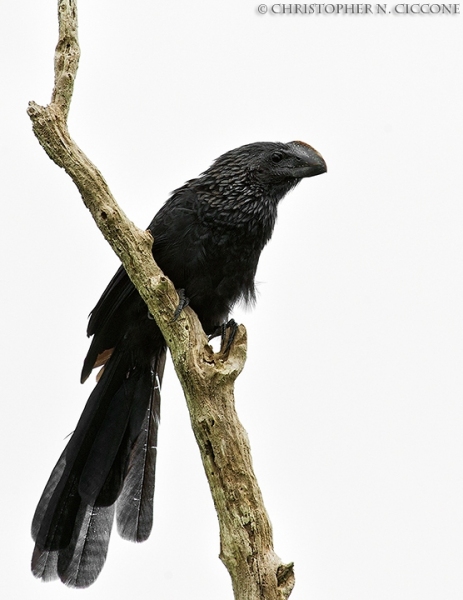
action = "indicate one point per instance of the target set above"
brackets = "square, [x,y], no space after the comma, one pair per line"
[135,504]
[111,454]
[45,564]
[60,500]
[81,562]
[48,492]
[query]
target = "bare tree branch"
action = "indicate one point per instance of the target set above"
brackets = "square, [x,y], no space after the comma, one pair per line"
[207,378]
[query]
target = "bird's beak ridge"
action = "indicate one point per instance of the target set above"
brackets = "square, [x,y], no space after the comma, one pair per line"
[312,162]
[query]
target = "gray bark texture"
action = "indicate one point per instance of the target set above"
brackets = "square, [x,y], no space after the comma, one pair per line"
[207,378]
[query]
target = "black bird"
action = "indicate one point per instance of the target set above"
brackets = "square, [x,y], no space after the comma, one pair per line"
[207,239]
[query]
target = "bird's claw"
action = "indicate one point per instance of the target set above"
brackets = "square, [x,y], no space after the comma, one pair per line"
[227,332]
[183,301]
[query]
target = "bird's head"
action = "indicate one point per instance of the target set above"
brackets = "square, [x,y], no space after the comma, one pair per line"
[261,169]
[269,164]
[291,162]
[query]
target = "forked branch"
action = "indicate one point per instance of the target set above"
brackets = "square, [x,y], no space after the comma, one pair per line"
[207,378]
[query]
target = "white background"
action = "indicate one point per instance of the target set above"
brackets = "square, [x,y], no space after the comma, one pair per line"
[352,393]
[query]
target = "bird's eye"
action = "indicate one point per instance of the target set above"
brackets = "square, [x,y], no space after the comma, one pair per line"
[276,157]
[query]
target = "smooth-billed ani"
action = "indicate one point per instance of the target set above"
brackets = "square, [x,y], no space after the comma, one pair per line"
[208,238]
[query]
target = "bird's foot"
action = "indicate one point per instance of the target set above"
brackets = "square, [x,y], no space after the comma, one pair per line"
[183,301]
[227,332]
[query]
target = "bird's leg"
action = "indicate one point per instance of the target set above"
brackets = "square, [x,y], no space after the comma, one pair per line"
[228,335]
[183,301]
[226,340]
